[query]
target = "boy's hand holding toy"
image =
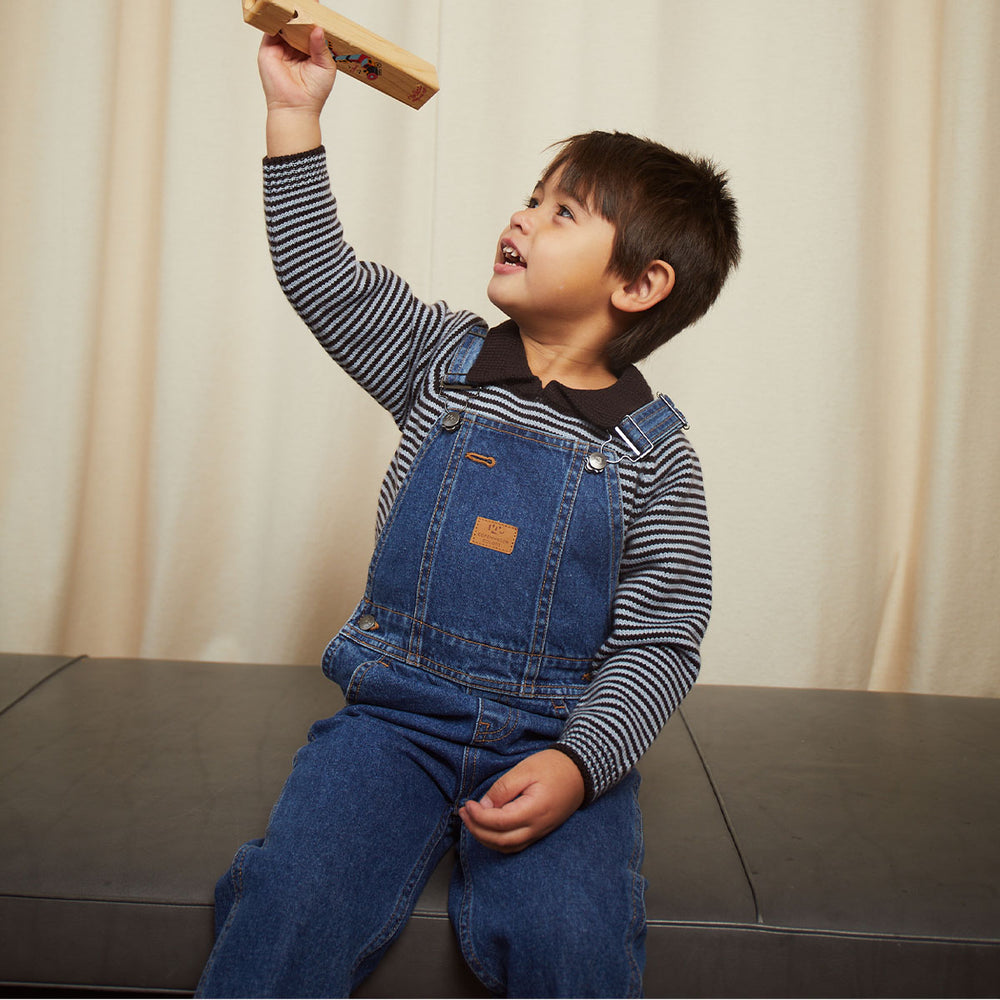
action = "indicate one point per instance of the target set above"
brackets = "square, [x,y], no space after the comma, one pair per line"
[296,87]
[359,52]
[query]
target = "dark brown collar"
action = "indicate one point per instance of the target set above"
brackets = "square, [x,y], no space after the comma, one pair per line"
[502,361]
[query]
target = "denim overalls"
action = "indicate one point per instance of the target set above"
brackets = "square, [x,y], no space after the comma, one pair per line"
[489,592]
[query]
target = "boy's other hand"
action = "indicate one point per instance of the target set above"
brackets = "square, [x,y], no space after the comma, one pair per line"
[292,79]
[529,801]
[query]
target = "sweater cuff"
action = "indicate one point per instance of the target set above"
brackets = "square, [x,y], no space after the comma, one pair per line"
[589,791]
[295,174]
[291,157]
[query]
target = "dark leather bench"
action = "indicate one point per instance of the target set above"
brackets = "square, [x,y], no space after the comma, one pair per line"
[799,842]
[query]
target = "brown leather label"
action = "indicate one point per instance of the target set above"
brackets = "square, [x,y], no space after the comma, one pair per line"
[494,535]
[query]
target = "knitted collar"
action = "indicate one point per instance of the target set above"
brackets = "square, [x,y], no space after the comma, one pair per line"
[502,361]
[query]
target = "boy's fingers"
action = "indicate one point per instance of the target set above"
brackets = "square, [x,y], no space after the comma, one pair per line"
[504,818]
[497,838]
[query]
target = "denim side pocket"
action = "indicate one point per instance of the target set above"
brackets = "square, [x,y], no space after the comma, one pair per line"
[345,663]
[352,693]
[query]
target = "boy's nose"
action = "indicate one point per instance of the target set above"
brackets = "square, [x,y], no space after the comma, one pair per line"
[519,220]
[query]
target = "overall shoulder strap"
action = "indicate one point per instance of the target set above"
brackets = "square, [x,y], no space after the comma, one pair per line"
[464,357]
[646,427]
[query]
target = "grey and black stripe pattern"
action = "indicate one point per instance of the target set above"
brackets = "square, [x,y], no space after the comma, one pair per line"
[395,347]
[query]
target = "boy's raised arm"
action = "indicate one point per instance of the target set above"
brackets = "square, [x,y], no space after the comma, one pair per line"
[296,87]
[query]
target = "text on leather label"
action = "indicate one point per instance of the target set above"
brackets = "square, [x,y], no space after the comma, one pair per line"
[494,535]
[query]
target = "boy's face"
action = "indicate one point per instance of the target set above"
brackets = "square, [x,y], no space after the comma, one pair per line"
[551,265]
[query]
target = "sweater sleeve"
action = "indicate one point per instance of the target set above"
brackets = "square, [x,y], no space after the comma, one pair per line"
[660,612]
[365,316]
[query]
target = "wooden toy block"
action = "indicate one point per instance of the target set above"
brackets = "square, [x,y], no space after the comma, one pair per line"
[358,52]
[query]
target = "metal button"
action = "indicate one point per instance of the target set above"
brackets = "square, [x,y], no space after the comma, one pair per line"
[367,623]
[596,462]
[451,420]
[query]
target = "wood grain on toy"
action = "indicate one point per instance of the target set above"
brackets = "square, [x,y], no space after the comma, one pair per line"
[357,51]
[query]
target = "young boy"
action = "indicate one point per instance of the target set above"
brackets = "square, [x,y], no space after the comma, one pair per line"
[539,589]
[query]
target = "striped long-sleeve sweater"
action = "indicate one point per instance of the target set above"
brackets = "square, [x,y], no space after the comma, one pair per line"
[395,345]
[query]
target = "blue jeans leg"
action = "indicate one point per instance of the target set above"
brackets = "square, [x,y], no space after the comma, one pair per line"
[363,820]
[565,917]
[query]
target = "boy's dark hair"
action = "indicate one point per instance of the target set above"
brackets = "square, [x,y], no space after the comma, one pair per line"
[664,206]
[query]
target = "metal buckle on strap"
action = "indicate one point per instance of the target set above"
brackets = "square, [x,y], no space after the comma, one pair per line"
[636,453]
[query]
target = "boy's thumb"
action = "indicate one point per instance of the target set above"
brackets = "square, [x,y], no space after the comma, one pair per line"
[318,49]
[502,791]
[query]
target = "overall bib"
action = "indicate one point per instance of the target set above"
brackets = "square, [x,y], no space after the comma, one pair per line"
[489,592]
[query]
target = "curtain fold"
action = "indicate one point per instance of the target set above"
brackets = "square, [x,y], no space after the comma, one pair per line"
[184,474]
[109,544]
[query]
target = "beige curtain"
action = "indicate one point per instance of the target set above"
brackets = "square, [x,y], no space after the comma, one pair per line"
[183,474]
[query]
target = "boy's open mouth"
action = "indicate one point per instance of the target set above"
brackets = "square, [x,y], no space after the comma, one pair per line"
[510,255]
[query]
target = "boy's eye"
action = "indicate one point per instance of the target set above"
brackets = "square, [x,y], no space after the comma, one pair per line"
[564,210]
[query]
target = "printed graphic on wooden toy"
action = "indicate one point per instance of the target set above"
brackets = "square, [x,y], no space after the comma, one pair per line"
[359,64]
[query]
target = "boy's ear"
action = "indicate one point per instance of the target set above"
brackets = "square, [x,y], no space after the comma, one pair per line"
[654,284]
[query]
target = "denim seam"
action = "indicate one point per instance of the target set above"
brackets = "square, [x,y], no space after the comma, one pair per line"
[468,778]
[473,682]
[464,928]
[433,534]
[525,433]
[458,366]
[407,898]
[391,516]
[553,562]
[472,642]
[616,530]
[638,916]
[358,678]
[236,872]
[485,733]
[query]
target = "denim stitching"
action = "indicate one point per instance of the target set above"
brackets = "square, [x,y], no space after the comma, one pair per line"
[463,929]
[616,529]
[469,777]
[525,433]
[365,640]
[236,876]
[390,519]
[475,682]
[458,366]
[454,461]
[360,672]
[553,561]
[485,733]
[522,433]
[407,898]
[642,430]
[638,910]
